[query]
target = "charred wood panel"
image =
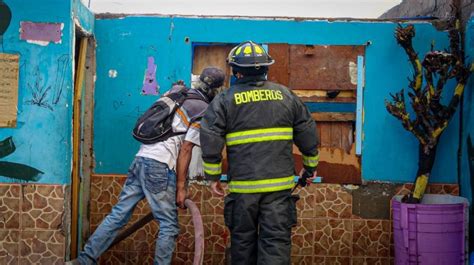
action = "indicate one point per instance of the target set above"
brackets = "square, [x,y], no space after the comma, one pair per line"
[323,67]
[279,71]
[212,55]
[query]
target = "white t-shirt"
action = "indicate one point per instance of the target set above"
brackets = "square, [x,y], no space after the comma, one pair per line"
[167,151]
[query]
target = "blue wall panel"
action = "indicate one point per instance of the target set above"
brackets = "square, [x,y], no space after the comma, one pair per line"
[124,44]
[43,134]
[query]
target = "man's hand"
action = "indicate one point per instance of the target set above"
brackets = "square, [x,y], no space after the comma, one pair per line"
[181,196]
[217,188]
[309,180]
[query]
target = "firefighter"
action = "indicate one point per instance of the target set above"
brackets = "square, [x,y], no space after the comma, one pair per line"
[258,121]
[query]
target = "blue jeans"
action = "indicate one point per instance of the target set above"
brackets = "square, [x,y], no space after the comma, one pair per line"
[150,179]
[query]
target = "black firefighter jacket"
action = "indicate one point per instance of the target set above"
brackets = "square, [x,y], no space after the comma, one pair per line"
[258,121]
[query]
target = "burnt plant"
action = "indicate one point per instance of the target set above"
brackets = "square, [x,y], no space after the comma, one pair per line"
[429,117]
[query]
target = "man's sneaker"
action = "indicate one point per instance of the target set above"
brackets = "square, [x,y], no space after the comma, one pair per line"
[73,262]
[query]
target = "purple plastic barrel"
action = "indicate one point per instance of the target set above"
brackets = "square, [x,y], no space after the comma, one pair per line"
[432,232]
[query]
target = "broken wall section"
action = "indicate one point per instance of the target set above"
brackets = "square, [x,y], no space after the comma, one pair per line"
[83,16]
[125,45]
[432,8]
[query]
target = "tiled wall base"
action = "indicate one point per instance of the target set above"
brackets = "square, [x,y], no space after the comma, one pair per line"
[327,232]
[31,224]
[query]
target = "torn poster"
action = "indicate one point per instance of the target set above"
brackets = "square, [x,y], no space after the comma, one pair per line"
[9,72]
[150,86]
[41,33]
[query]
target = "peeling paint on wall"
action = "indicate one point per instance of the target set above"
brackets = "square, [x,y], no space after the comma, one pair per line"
[150,86]
[41,33]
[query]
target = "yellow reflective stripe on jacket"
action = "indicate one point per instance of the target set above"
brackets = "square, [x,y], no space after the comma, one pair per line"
[311,161]
[264,185]
[259,135]
[212,168]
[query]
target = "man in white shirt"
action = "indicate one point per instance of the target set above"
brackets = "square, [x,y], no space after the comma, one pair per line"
[152,175]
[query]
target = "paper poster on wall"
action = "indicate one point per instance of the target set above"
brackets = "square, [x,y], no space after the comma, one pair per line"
[9,67]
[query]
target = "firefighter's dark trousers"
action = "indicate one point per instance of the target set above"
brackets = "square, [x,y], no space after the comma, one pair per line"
[260,226]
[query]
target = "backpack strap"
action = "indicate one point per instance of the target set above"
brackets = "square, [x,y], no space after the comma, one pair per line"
[179,97]
[197,97]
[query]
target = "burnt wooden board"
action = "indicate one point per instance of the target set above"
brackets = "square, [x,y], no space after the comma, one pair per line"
[335,134]
[323,67]
[212,55]
[279,72]
[311,67]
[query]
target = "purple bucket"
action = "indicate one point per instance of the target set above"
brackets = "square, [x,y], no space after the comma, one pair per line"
[432,232]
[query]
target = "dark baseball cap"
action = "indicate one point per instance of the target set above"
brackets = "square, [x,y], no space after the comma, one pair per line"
[212,76]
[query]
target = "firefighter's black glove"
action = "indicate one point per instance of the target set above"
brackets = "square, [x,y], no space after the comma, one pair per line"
[302,181]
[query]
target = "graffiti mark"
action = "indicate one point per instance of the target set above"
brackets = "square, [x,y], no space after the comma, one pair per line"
[39,92]
[135,113]
[5,19]
[117,104]
[63,64]
[150,86]
[17,171]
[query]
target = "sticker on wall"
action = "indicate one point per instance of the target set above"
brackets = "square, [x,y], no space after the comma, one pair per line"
[9,73]
[5,19]
[150,86]
[41,33]
[113,73]
[353,72]
[16,171]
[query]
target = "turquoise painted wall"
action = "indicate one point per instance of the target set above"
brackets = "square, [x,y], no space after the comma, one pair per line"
[124,44]
[43,135]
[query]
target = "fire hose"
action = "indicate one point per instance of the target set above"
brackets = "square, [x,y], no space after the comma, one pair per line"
[198,231]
